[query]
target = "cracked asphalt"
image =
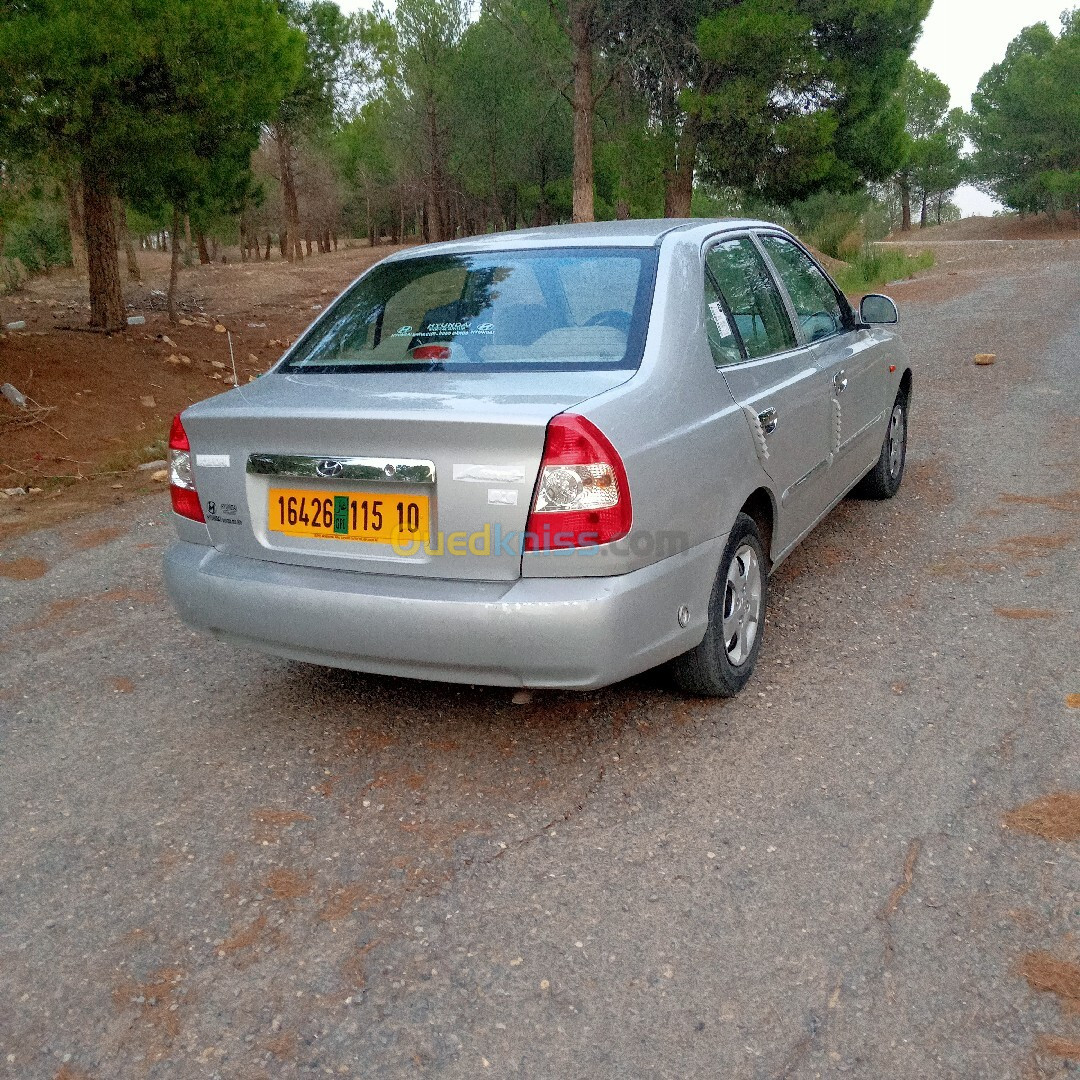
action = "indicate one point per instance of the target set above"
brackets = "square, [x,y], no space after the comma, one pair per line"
[216,864]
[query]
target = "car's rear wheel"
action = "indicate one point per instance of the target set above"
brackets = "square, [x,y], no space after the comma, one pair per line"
[724,661]
[883,480]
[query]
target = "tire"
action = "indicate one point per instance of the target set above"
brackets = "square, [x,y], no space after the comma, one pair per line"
[724,661]
[883,480]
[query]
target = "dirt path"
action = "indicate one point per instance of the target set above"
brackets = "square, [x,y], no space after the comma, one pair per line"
[221,864]
[111,397]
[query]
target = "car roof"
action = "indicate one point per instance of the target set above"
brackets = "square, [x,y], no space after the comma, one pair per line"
[644,232]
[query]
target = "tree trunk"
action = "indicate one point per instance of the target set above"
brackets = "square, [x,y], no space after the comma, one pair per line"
[679,178]
[370,226]
[102,261]
[174,269]
[582,66]
[129,248]
[495,210]
[436,225]
[266,257]
[923,212]
[905,204]
[76,225]
[200,242]
[290,209]
[187,240]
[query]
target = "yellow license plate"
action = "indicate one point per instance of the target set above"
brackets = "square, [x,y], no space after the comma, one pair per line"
[373,518]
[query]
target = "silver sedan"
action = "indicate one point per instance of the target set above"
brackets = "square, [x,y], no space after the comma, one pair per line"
[550,458]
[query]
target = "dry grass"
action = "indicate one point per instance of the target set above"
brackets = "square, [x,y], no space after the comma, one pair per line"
[1050,817]
[23,569]
[1049,974]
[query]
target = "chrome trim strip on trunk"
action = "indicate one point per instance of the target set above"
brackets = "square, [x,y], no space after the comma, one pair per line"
[330,467]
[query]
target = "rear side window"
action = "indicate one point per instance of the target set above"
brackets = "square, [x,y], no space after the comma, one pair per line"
[814,299]
[719,328]
[752,297]
[545,310]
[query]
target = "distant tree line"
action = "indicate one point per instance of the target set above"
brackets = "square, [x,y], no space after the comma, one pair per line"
[285,124]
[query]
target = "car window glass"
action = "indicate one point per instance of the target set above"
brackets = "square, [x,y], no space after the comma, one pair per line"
[752,297]
[596,290]
[723,344]
[814,299]
[539,310]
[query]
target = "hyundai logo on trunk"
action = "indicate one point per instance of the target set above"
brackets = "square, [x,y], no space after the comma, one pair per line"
[329,467]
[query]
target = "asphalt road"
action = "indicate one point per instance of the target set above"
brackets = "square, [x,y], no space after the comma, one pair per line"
[219,864]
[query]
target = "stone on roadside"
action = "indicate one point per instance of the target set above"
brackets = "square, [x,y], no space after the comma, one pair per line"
[220,364]
[166,340]
[218,328]
[522,697]
[18,324]
[161,475]
[150,466]
[136,320]
[147,401]
[985,359]
[12,492]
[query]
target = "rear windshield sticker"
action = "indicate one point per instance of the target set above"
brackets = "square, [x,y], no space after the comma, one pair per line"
[716,309]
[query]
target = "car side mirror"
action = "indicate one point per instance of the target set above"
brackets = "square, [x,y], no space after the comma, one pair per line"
[876,308]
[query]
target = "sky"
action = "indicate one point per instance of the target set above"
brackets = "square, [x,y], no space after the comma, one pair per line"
[960,40]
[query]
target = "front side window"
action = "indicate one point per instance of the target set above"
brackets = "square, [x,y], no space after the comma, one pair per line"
[546,310]
[752,297]
[814,299]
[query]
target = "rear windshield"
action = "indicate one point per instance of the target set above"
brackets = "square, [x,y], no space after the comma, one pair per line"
[540,310]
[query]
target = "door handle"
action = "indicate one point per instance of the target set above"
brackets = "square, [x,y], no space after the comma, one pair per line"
[839,381]
[768,420]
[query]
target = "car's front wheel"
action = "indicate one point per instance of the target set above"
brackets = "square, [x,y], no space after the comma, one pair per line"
[883,480]
[724,661]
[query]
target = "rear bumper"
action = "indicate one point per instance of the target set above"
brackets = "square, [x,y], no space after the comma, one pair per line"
[540,632]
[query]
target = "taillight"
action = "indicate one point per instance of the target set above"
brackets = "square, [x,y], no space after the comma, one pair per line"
[431,352]
[582,497]
[185,499]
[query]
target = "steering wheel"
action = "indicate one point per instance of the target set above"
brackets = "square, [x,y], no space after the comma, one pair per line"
[617,320]
[808,320]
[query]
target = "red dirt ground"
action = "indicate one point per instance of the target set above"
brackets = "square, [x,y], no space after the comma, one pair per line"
[98,387]
[1005,227]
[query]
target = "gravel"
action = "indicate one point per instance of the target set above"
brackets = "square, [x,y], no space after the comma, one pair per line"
[216,863]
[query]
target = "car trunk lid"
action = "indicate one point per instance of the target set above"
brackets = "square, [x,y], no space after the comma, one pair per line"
[452,455]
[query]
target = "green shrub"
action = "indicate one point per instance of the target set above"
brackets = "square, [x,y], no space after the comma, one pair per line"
[38,236]
[876,266]
[12,274]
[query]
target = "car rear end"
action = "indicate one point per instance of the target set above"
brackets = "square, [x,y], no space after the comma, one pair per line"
[369,503]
